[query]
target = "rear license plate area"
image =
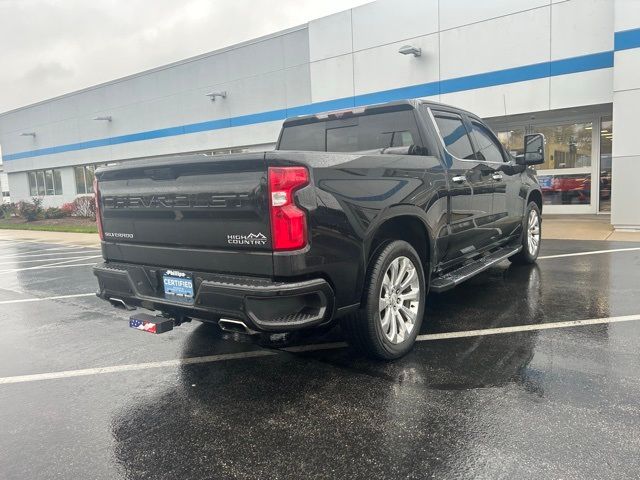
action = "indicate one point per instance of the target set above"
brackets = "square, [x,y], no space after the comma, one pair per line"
[178,286]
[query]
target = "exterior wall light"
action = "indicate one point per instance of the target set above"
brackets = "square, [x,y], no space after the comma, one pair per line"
[213,95]
[410,50]
[28,134]
[105,119]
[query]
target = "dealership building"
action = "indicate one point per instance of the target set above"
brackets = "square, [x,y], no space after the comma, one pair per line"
[567,68]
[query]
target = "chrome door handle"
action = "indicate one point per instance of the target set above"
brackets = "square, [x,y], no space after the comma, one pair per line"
[459,179]
[497,176]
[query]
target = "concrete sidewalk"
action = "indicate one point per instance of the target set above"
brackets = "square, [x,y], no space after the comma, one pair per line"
[557,227]
[583,227]
[67,238]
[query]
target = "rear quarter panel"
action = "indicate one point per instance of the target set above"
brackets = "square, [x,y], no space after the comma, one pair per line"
[349,197]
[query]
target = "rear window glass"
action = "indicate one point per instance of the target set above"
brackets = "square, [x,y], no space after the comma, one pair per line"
[366,132]
[303,137]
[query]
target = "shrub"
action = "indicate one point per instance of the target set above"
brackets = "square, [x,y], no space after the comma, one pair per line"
[68,208]
[32,210]
[84,206]
[7,210]
[54,212]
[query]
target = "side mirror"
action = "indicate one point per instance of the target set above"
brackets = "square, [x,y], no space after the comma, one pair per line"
[533,150]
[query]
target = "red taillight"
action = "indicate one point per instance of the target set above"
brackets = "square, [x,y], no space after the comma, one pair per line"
[288,222]
[96,192]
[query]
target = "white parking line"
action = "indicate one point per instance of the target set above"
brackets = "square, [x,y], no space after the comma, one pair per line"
[62,261]
[58,265]
[52,249]
[301,348]
[41,299]
[13,262]
[30,255]
[137,366]
[40,242]
[8,243]
[595,252]
[525,328]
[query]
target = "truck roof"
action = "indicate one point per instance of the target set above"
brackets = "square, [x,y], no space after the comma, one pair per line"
[364,109]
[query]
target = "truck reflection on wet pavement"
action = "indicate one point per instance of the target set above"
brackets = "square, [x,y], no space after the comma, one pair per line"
[555,403]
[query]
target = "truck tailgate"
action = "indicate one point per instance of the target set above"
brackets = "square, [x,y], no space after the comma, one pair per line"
[190,212]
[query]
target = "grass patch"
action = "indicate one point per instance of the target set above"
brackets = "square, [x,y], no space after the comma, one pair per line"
[48,228]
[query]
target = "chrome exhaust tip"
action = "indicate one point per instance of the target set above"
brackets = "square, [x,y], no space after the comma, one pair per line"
[119,303]
[235,326]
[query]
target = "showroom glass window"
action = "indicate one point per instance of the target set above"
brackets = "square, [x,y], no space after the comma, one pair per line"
[568,148]
[454,135]
[565,177]
[45,182]
[84,178]
[606,141]
[513,141]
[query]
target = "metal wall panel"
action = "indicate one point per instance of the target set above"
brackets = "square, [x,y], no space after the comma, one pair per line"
[389,21]
[581,27]
[509,99]
[584,88]
[332,78]
[330,36]
[505,42]
[455,13]
[382,68]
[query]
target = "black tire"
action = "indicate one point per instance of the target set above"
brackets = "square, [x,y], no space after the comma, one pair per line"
[364,327]
[527,256]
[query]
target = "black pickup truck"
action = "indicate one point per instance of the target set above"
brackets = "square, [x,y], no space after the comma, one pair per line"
[355,217]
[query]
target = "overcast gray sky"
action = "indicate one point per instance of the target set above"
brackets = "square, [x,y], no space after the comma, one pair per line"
[51,47]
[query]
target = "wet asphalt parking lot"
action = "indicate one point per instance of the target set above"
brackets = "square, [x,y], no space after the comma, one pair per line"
[531,395]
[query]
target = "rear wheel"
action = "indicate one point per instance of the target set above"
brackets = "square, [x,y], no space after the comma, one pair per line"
[389,320]
[531,237]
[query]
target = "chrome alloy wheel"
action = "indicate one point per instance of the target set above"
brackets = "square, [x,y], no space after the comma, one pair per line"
[399,300]
[533,232]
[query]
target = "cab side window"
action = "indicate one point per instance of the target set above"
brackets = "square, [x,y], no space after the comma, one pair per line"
[454,135]
[487,148]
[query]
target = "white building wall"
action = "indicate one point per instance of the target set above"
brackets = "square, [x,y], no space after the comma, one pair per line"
[581,27]
[4,186]
[495,57]
[626,105]
[262,75]
[20,188]
[19,185]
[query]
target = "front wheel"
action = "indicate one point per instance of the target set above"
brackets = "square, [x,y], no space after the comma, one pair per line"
[389,320]
[531,237]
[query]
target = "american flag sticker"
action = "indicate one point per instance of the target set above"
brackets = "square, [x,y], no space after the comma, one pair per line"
[141,325]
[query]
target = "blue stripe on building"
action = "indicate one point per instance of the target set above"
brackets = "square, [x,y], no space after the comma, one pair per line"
[623,40]
[627,39]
